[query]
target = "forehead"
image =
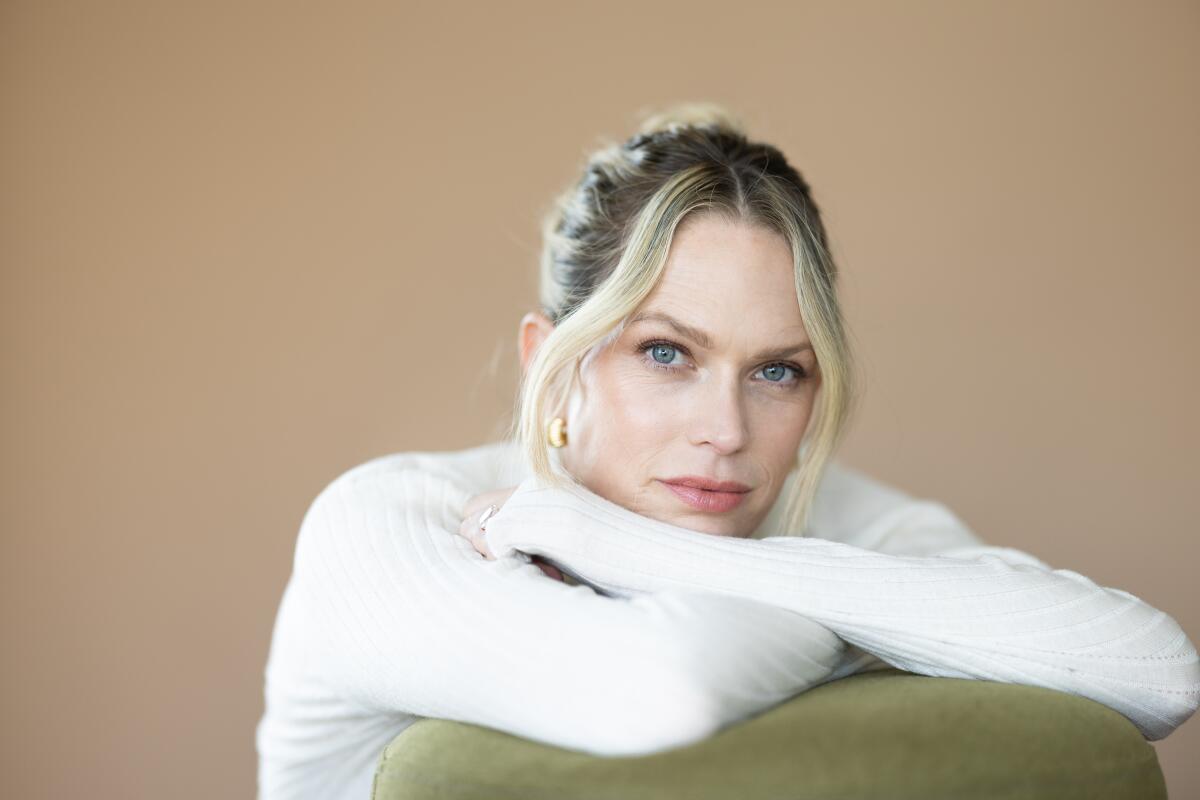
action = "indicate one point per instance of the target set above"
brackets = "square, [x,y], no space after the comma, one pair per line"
[724,273]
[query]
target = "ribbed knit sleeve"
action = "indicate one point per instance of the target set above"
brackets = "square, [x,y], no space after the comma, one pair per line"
[402,615]
[989,613]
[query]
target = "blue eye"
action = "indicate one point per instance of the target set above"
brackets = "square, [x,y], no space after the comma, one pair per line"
[779,370]
[658,350]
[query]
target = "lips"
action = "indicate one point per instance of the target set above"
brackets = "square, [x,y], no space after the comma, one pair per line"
[698,482]
[723,496]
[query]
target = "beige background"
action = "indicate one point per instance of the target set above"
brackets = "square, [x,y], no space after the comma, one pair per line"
[246,246]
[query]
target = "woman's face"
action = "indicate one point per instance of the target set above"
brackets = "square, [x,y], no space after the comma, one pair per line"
[724,394]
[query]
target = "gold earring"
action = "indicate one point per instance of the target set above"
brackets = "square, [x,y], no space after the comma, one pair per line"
[558,432]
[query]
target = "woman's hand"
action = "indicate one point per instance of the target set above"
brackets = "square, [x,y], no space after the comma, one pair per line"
[469,529]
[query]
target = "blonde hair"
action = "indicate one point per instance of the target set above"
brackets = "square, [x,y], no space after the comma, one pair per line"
[604,246]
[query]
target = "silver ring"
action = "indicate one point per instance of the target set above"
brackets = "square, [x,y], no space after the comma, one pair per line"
[486,515]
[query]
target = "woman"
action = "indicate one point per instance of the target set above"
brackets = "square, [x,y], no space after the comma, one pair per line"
[684,388]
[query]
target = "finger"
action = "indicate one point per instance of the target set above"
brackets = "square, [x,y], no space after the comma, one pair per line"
[478,541]
[483,548]
[476,504]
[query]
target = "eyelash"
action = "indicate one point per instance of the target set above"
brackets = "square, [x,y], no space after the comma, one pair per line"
[801,373]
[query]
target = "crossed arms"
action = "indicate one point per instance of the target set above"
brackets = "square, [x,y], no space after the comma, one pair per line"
[705,631]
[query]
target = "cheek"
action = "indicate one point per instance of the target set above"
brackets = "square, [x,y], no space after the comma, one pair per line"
[628,421]
[626,426]
[778,427]
[636,411]
[611,401]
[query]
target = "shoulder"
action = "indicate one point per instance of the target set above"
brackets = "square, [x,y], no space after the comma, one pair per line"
[847,494]
[480,467]
[849,502]
[398,498]
[856,508]
[384,482]
[424,475]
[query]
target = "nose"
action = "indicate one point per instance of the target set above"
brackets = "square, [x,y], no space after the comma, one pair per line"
[719,419]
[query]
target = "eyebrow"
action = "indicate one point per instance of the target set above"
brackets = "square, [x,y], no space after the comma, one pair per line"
[704,340]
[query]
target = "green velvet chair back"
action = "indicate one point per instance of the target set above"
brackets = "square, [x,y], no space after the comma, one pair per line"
[883,734]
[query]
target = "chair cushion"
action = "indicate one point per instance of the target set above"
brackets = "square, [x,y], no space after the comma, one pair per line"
[879,734]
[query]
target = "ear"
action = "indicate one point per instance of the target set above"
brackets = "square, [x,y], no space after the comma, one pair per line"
[534,329]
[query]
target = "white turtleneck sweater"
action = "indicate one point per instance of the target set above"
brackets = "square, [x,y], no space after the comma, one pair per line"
[665,635]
